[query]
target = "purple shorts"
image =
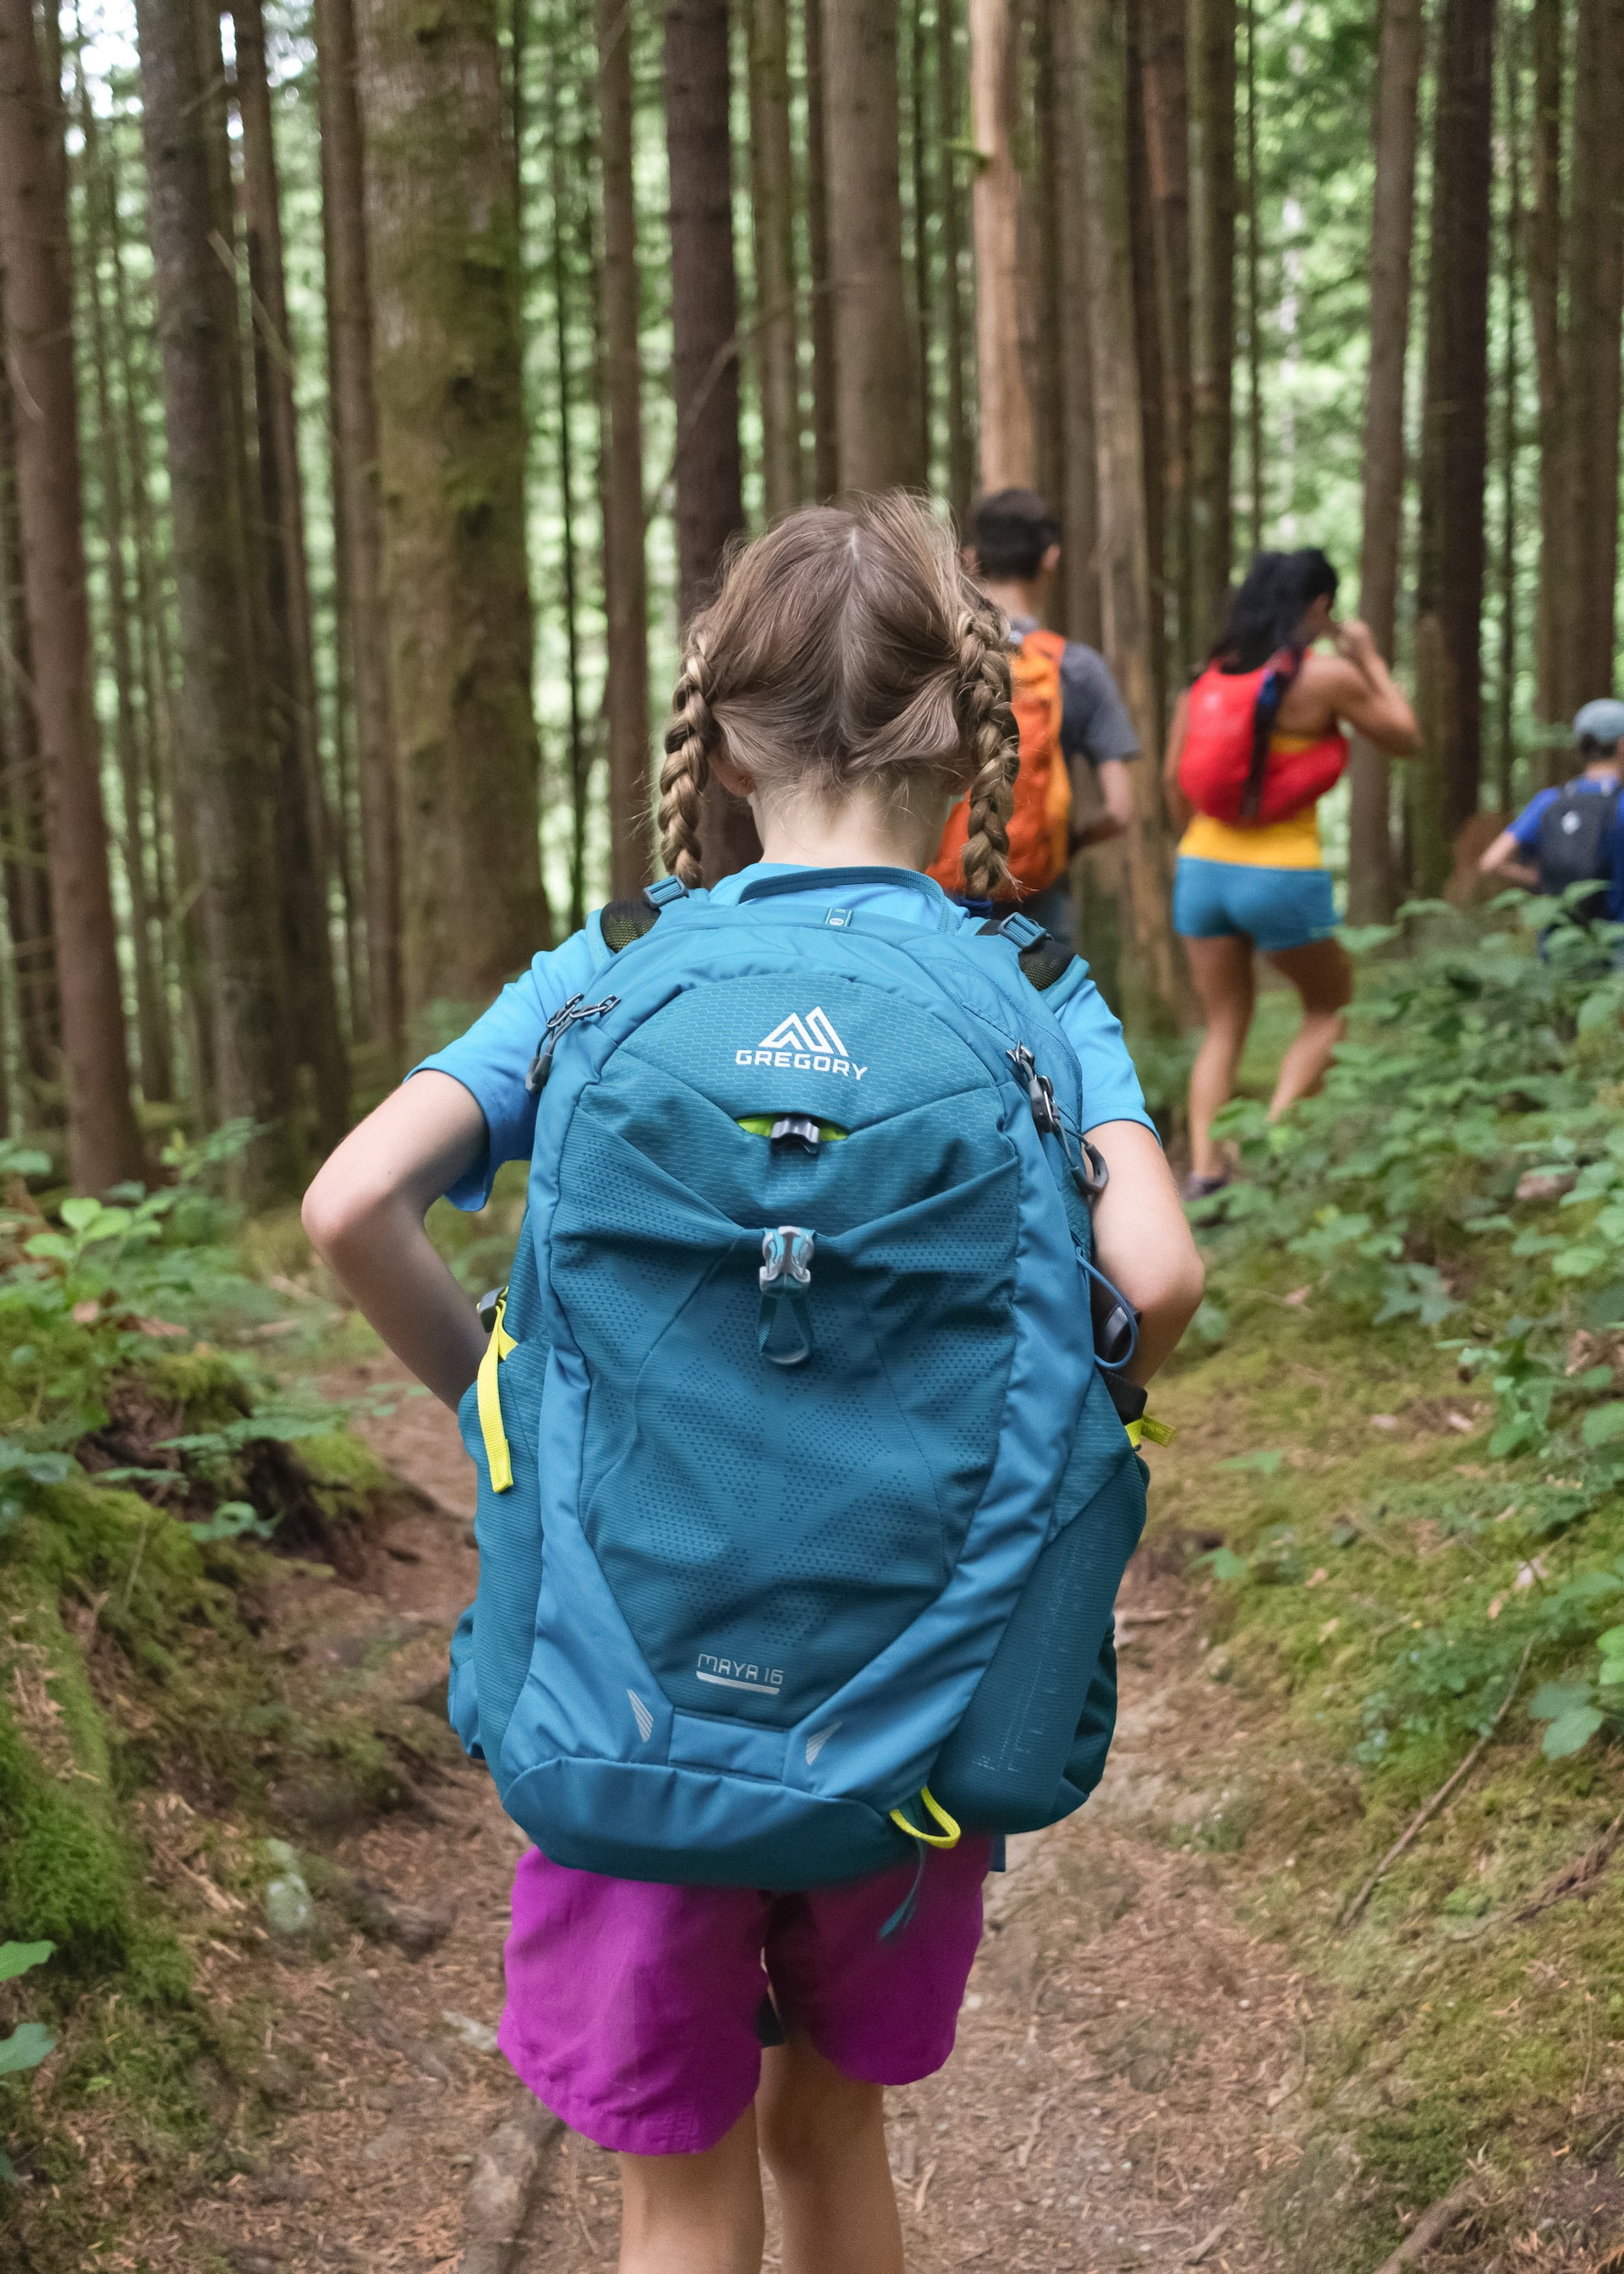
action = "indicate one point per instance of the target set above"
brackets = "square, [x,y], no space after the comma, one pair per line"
[632,2008]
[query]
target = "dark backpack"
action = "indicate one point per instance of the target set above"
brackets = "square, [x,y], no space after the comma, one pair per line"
[1574,845]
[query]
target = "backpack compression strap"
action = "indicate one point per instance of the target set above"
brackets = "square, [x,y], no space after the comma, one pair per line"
[1043,958]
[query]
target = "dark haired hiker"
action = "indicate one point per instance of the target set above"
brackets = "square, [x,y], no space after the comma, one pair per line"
[1069,713]
[1570,836]
[1250,881]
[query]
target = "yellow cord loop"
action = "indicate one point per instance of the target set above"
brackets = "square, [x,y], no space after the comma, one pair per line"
[1159,1433]
[497,1456]
[949,1835]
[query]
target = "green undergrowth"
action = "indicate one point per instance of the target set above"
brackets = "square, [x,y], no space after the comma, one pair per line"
[1399,1488]
[160,1485]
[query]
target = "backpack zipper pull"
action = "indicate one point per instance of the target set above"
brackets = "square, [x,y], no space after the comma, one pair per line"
[785,1335]
[1039,1090]
[558,1025]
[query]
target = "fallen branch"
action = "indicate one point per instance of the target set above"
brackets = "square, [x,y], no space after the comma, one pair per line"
[1429,1808]
[1433,2225]
[1207,2241]
[1578,1878]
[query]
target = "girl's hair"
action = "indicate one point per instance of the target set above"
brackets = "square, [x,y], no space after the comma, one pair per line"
[847,649]
[1267,608]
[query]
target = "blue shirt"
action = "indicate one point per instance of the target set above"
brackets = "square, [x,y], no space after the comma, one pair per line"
[1525,831]
[492,1059]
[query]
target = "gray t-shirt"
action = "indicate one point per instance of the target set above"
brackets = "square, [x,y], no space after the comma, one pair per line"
[1094,725]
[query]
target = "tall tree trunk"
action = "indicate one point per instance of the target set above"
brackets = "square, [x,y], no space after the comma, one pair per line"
[1254,295]
[228,768]
[1153,982]
[1511,374]
[626,591]
[772,184]
[104,1144]
[152,1010]
[1008,442]
[1370,897]
[303,830]
[355,416]
[704,361]
[1454,440]
[1167,130]
[919,190]
[956,329]
[443,244]
[1080,503]
[1143,267]
[559,188]
[1212,311]
[1544,268]
[27,876]
[1042,224]
[1590,355]
[825,384]
[876,382]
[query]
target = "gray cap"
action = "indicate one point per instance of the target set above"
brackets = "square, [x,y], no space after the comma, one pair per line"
[1601,721]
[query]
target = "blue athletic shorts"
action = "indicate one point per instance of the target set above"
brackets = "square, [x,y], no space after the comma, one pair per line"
[1275,909]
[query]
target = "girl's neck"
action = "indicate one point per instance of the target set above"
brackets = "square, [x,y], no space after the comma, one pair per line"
[858,833]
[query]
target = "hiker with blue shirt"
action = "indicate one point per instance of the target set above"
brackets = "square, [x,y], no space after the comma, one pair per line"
[1570,836]
[795,1382]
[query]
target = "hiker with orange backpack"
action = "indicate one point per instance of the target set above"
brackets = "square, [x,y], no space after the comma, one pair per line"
[1067,710]
[1255,743]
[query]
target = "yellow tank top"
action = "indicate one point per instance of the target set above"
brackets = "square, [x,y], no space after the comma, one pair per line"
[1293,843]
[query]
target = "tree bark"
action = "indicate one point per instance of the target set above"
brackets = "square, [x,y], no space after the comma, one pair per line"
[919,205]
[1168,129]
[228,776]
[1371,883]
[355,416]
[103,1142]
[1454,439]
[1079,501]
[1008,451]
[704,362]
[1544,285]
[626,593]
[1505,736]
[1143,265]
[302,829]
[956,328]
[876,382]
[825,385]
[773,186]
[1212,313]
[152,1009]
[443,251]
[1153,987]
[563,365]
[1254,295]
[28,877]
[1590,356]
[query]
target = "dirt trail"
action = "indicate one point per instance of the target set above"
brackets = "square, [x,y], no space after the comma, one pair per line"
[1129,2067]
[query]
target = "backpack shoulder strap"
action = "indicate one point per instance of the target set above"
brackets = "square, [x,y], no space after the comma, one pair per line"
[1043,961]
[621,922]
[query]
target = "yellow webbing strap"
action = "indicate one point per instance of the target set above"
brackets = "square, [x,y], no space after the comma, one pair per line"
[1159,1433]
[490,1429]
[949,1835]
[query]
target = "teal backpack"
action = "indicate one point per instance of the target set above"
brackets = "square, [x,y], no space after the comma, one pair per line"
[803,1501]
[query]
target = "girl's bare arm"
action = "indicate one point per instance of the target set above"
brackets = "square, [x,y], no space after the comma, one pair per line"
[365,1217]
[1143,1243]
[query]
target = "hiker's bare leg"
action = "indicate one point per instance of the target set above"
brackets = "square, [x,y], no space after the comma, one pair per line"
[824,2139]
[694,2214]
[1323,975]
[1223,972]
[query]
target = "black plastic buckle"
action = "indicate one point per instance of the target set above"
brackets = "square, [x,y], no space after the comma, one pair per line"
[1039,1091]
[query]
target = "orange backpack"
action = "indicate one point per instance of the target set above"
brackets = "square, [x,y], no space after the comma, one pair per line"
[1040,824]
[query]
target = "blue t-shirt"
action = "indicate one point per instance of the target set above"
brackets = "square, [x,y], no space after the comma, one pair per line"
[1525,831]
[492,1059]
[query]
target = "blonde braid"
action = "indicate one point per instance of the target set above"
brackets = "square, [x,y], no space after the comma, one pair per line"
[686,769]
[982,699]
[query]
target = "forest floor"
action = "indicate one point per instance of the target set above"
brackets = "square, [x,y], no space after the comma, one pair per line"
[1129,2059]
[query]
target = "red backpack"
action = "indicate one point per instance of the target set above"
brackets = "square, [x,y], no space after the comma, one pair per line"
[1227,769]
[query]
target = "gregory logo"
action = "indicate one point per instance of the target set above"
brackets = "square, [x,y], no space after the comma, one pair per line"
[740,1674]
[810,1044]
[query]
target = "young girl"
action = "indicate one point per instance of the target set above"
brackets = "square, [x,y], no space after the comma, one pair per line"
[852,683]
